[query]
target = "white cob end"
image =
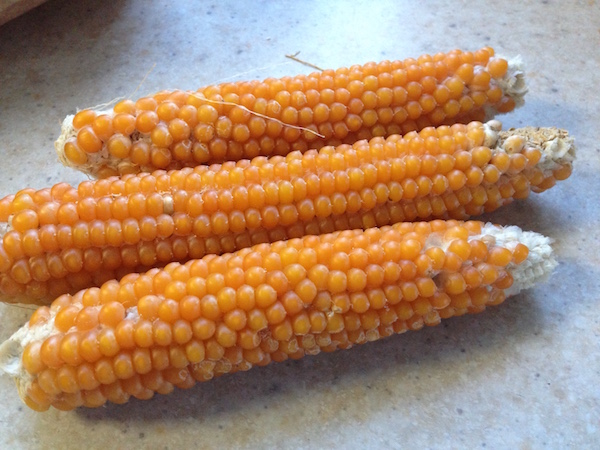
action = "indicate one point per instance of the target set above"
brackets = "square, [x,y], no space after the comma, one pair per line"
[557,147]
[11,351]
[513,82]
[540,261]
[67,131]
[94,160]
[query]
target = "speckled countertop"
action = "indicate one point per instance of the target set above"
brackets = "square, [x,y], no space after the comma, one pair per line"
[524,375]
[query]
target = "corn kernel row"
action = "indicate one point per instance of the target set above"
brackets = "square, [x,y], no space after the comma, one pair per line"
[65,238]
[171,327]
[232,121]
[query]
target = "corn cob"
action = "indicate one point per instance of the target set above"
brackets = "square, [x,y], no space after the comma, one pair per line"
[64,239]
[224,314]
[233,121]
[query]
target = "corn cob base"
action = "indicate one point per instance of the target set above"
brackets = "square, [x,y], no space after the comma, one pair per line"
[228,313]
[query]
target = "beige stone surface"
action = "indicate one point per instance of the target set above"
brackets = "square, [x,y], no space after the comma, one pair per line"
[523,375]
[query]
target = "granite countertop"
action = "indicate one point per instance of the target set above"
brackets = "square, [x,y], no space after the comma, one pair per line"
[522,375]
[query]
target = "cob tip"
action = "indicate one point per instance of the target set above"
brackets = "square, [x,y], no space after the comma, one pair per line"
[513,82]
[556,146]
[11,353]
[94,160]
[540,261]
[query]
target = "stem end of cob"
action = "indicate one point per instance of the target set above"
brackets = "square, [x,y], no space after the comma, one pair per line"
[94,160]
[514,83]
[67,131]
[557,147]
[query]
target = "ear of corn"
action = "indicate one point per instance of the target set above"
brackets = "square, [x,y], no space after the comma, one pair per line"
[63,239]
[233,121]
[222,314]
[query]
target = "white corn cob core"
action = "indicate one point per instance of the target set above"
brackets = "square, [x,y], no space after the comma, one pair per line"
[536,268]
[513,83]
